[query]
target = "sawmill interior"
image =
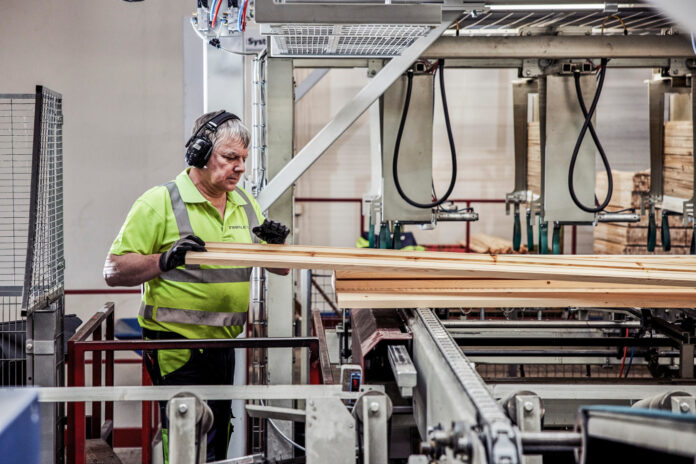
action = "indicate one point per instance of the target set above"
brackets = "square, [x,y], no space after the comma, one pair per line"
[404,232]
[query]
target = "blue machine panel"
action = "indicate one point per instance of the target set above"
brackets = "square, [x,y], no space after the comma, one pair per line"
[19,426]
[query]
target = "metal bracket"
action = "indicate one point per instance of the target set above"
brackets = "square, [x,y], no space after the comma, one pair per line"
[683,404]
[529,412]
[374,413]
[41,347]
[610,8]
[678,67]
[403,369]
[182,431]
[531,68]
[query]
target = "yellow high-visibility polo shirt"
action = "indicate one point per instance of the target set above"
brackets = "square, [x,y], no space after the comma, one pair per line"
[196,302]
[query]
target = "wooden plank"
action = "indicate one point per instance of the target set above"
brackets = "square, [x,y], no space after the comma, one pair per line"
[655,263]
[510,300]
[289,256]
[495,285]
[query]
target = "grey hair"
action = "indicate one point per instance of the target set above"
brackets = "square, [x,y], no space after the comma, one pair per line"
[232,128]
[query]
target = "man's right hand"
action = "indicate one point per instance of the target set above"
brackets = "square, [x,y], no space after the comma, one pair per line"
[176,256]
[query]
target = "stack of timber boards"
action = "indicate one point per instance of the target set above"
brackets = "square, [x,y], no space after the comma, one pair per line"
[632,238]
[378,290]
[417,279]
[533,157]
[679,159]
[482,243]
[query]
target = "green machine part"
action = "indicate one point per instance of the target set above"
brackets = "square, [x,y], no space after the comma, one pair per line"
[530,231]
[396,242]
[556,239]
[543,237]
[664,233]
[652,231]
[516,230]
[371,234]
[385,241]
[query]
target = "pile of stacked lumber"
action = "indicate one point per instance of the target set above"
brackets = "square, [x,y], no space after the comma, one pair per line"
[632,238]
[482,243]
[679,159]
[402,279]
[533,157]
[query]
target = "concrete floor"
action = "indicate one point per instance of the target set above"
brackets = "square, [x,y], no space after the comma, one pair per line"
[129,455]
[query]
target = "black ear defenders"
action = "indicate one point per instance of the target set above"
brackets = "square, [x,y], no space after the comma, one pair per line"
[199,147]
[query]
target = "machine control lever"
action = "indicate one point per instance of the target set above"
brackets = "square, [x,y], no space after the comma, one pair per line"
[618,217]
[457,216]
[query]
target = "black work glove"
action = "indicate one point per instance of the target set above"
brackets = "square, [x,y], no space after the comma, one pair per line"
[271,232]
[176,255]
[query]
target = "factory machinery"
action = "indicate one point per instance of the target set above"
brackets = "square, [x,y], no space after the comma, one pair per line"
[455,385]
[507,386]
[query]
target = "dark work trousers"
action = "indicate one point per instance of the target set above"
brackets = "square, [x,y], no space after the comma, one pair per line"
[205,367]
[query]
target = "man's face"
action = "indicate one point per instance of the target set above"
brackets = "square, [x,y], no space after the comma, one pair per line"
[226,164]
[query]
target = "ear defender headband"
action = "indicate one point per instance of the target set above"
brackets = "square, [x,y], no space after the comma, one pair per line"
[199,147]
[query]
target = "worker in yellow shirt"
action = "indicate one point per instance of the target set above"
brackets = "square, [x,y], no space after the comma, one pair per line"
[203,204]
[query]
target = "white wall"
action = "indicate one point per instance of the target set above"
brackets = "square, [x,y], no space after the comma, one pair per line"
[119,67]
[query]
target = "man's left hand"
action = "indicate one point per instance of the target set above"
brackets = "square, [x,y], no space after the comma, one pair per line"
[271,232]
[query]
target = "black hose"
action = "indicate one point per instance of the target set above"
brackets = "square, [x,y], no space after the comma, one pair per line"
[588,125]
[395,161]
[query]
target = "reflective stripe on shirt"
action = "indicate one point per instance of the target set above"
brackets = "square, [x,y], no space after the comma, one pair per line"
[195,274]
[192,316]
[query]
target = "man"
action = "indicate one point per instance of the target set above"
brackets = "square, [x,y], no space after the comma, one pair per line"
[203,204]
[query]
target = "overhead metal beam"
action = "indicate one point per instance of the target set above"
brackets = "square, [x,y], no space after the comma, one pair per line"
[561,47]
[270,12]
[347,116]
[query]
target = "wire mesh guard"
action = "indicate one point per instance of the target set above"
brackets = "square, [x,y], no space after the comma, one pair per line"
[44,277]
[364,40]
[31,232]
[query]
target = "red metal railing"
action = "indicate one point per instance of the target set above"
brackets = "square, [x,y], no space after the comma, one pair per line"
[77,425]
[79,344]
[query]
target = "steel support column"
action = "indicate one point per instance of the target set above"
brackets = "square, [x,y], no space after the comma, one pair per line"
[279,295]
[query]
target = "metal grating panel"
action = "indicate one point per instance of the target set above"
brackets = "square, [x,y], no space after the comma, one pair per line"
[638,20]
[16,135]
[364,40]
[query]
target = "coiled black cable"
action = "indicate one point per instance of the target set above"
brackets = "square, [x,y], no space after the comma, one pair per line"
[588,125]
[395,161]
